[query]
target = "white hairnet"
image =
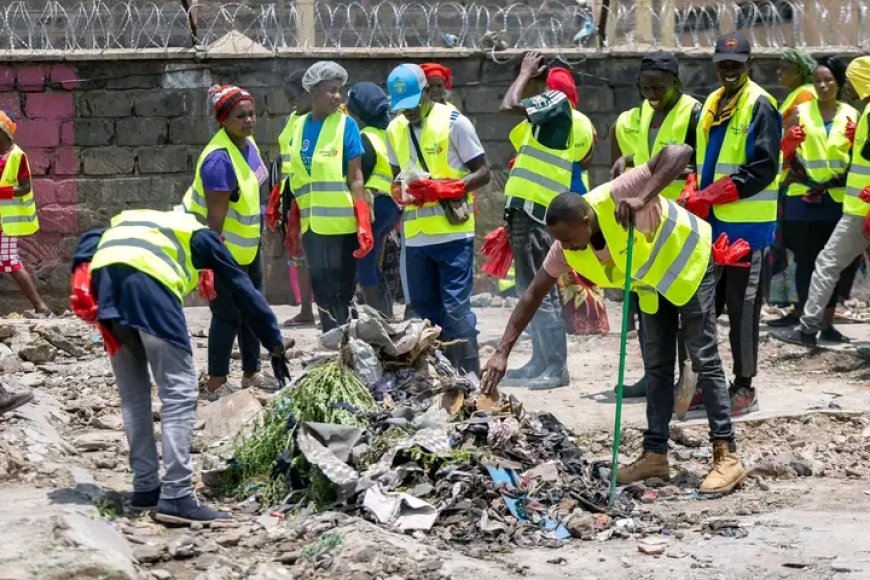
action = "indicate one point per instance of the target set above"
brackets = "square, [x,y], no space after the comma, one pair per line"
[325,70]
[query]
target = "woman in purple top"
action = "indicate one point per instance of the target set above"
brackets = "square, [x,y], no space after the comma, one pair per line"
[234,110]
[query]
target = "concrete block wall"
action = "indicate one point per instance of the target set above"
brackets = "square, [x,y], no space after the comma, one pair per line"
[107,135]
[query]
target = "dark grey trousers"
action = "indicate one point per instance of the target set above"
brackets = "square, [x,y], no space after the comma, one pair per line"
[697,322]
[333,275]
[740,290]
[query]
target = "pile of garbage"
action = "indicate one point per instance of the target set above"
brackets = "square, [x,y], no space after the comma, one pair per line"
[388,429]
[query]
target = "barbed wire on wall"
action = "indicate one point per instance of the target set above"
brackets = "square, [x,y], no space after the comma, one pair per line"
[395,24]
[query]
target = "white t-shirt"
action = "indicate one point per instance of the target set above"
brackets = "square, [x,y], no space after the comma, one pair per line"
[464,145]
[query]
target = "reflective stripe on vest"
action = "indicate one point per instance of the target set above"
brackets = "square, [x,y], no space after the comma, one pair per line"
[858,177]
[154,242]
[284,140]
[824,155]
[540,173]
[17,215]
[673,263]
[761,207]
[241,227]
[673,130]
[429,225]
[325,203]
[381,179]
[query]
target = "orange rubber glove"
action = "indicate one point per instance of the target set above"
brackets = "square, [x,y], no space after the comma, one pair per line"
[81,300]
[273,208]
[293,237]
[363,229]
[850,130]
[865,197]
[792,140]
[206,286]
[7,192]
[726,254]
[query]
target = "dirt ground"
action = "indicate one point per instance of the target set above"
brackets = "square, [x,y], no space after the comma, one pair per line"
[804,513]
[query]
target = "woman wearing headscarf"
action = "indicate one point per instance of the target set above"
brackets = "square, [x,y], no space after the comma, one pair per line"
[369,105]
[17,211]
[818,149]
[226,195]
[440,79]
[851,235]
[795,74]
[329,206]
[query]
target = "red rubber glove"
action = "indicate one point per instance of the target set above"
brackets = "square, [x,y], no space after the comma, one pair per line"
[865,197]
[511,162]
[206,286]
[7,192]
[434,190]
[273,208]
[691,200]
[110,342]
[850,130]
[726,254]
[293,236]
[363,229]
[81,300]
[793,138]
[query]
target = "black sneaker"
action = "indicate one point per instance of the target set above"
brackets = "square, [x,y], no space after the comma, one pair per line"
[796,336]
[634,391]
[831,334]
[790,319]
[145,499]
[187,510]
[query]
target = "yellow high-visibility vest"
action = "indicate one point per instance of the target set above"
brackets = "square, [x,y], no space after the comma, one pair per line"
[325,202]
[789,100]
[17,215]
[824,155]
[627,129]
[672,131]
[241,228]
[284,140]
[154,242]
[859,172]
[381,179]
[761,207]
[540,173]
[672,262]
[429,222]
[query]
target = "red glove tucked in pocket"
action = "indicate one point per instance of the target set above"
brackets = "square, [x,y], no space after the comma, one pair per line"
[81,300]
[206,285]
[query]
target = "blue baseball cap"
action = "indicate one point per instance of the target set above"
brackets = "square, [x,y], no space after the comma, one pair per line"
[405,85]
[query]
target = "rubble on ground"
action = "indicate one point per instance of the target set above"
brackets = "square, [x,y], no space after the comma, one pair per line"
[425,457]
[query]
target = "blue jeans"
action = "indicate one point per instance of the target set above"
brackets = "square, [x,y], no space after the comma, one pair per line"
[227,323]
[440,280]
[368,270]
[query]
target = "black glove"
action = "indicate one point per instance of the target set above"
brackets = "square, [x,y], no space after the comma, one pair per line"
[279,366]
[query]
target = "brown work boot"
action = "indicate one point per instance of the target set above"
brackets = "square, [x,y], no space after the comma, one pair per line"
[727,471]
[10,401]
[650,464]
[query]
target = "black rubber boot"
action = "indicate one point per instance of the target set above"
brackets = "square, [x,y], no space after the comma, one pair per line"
[464,356]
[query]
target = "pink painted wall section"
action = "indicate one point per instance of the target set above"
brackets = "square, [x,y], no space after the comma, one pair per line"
[41,100]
